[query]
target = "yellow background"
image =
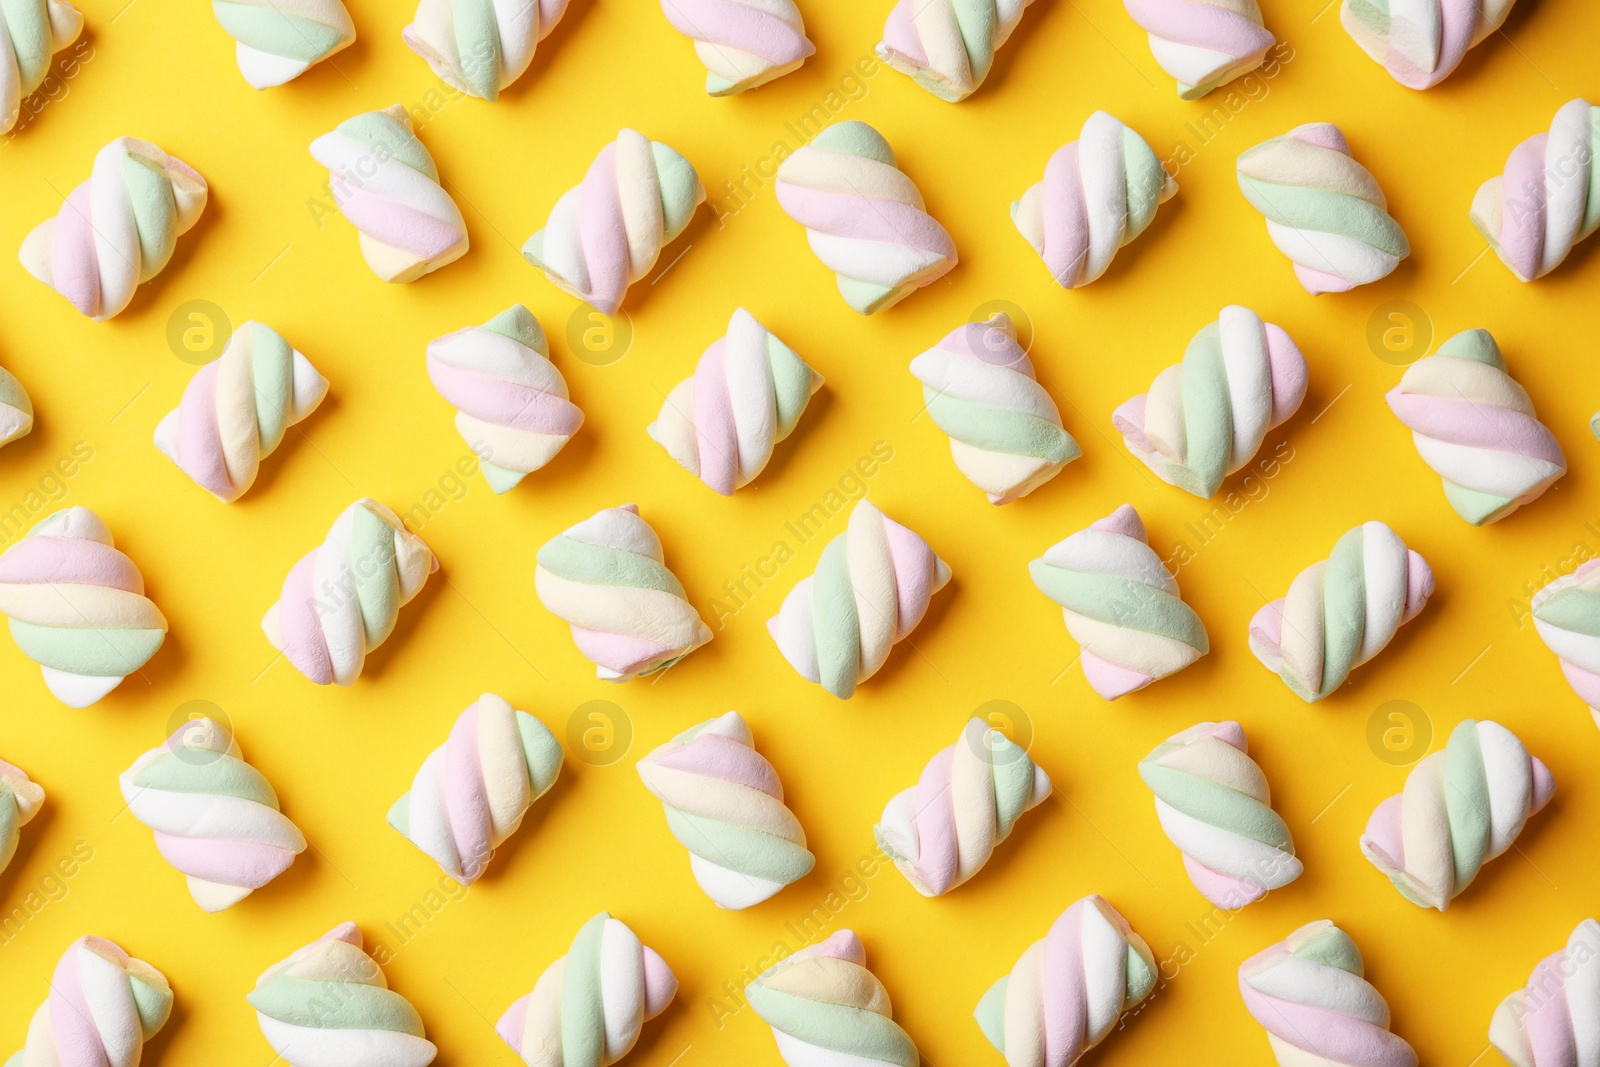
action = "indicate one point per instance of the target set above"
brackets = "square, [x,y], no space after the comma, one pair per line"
[267,249]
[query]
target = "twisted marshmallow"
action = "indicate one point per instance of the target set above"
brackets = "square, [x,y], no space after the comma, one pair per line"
[1203,43]
[863,217]
[1341,611]
[941,832]
[481,46]
[1005,431]
[1548,199]
[825,1008]
[1460,809]
[1567,615]
[20,799]
[724,804]
[743,43]
[1323,209]
[77,606]
[103,1006]
[606,233]
[277,41]
[386,184]
[1309,992]
[512,406]
[236,409]
[31,33]
[870,590]
[16,410]
[1555,1020]
[215,817]
[747,393]
[1098,194]
[1475,426]
[342,599]
[328,1004]
[1120,605]
[948,46]
[471,792]
[1205,418]
[117,230]
[607,578]
[587,1008]
[1421,41]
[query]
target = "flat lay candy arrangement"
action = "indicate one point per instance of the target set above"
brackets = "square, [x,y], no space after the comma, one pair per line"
[577,534]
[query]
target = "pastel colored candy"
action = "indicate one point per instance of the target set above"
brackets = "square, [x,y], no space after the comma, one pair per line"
[1070,988]
[1323,209]
[1206,418]
[1421,41]
[747,393]
[387,185]
[607,578]
[20,799]
[1475,426]
[481,46]
[118,229]
[1098,194]
[1215,805]
[724,804]
[870,590]
[607,232]
[236,410]
[1341,611]
[743,43]
[16,410]
[827,1010]
[77,606]
[588,1007]
[216,818]
[1120,604]
[1555,1020]
[1548,198]
[1310,993]
[942,831]
[342,599]
[471,792]
[512,405]
[948,46]
[863,217]
[1203,43]
[1461,808]
[981,390]
[278,41]
[329,1003]
[31,33]
[1567,615]
[103,1006]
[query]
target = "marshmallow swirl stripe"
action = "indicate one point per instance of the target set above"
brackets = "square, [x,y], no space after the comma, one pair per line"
[1420,42]
[20,799]
[481,46]
[1203,43]
[743,43]
[16,410]
[279,40]
[102,1008]
[948,46]
[31,33]
[1567,615]
[1555,1020]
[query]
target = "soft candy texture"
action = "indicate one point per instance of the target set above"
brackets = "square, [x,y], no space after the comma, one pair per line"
[1203,43]
[747,393]
[1214,804]
[16,410]
[512,406]
[31,33]
[827,1010]
[941,832]
[1005,431]
[471,793]
[20,799]
[117,230]
[1460,809]
[1555,1020]
[870,590]
[1341,611]
[1476,427]
[607,578]
[1309,992]
[1421,41]
[1098,194]
[1120,605]
[1548,199]
[341,600]
[1567,615]
[1069,989]
[77,606]
[236,409]
[1323,209]
[279,40]
[103,1006]
[948,46]
[1205,418]
[328,1005]
[481,46]
[743,43]
[724,804]
[386,184]
[863,217]
[587,1008]
[215,817]
[607,233]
